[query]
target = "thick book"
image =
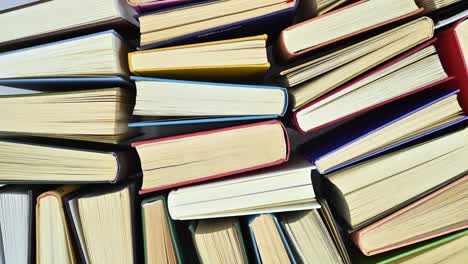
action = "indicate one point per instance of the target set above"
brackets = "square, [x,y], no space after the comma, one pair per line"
[452,45]
[286,187]
[187,159]
[69,115]
[62,19]
[240,58]
[210,20]
[449,248]
[59,164]
[268,240]
[104,223]
[163,238]
[96,55]
[173,102]
[219,241]
[386,128]
[300,226]
[346,22]
[53,237]
[317,76]
[414,71]
[397,178]
[17,215]
[143,6]
[436,214]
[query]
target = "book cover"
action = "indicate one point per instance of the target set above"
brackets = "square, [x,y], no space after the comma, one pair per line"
[287,55]
[375,71]
[374,121]
[200,120]
[267,24]
[451,54]
[289,250]
[212,72]
[357,234]
[211,177]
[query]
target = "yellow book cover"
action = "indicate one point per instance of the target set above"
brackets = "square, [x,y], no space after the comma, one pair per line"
[58,193]
[203,72]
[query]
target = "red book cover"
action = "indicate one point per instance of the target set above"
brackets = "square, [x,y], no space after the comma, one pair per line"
[451,54]
[287,55]
[356,236]
[211,177]
[397,59]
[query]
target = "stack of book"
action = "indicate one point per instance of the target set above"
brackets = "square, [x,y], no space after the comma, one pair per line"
[233,131]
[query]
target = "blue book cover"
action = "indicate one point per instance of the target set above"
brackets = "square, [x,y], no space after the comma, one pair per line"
[67,82]
[267,24]
[201,120]
[371,122]
[280,231]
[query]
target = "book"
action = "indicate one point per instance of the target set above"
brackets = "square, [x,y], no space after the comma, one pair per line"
[436,214]
[268,240]
[166,98]
[100,54]
[386,128]
[61,165]
[87,16]
[53,239]
[336,68]
[214,20]
[91,115]
[219,241]
[142,6]
[300,227]
[396,178]
[411,72]
[449,248]
[104,224]
[240,58]
[286,187]
[431,5]
[190,158]
[453,49]
[17,222]
[162,238]
[346,22]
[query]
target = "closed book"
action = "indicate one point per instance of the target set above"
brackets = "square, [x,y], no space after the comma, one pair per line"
[177,102]
[444,214]
[203,22]
[219,240]
[267,236]
[64,19]
[211,154]
[60,164]
[444,248]
[348,21]
[199,62]
[317,115]
[173,246]
[53,237]
[386,128]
